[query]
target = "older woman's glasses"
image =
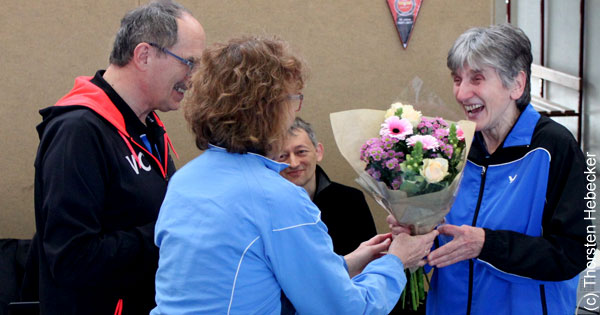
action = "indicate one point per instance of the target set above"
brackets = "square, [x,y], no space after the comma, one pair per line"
[186,62]
[298,98]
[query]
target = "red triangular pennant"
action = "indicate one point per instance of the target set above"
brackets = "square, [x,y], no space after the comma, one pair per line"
[405,14]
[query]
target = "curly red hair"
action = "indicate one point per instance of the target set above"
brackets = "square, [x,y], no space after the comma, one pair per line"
[237,95]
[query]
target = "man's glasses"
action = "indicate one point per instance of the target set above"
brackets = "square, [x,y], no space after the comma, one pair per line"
[186,62]
[296,97]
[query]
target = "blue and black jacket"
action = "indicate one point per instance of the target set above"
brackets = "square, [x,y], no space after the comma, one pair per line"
[529,198]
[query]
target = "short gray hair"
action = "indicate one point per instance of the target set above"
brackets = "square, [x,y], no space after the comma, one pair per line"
[299,123]
[155,22]
[503,47]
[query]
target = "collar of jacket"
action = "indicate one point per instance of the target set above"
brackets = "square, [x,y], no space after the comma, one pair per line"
[270,164]
[322,180]
[522,131]
[87,94]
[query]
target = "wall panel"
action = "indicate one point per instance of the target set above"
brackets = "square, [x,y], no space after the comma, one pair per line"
[355,57]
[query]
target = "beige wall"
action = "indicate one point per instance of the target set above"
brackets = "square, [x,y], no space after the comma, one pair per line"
[352,48]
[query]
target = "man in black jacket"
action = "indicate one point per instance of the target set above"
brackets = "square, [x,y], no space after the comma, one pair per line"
[103,164]
[343,209]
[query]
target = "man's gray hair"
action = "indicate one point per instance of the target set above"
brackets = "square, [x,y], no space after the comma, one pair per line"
[155,22]
[503,47]
[299,123]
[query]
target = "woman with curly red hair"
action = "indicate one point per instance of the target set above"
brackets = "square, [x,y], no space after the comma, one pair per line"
[235,236]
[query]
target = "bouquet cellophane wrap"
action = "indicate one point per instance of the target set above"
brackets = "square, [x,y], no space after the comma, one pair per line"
[422,213]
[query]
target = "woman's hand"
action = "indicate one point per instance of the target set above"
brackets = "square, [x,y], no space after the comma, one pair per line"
[395,227]
[412,250]
[467,243]
[367,252]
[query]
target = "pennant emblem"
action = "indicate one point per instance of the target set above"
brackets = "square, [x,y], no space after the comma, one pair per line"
[405,14]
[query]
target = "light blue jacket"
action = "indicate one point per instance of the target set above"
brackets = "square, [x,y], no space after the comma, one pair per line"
[233,234]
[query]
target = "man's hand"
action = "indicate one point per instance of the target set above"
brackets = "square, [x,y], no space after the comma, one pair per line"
[412,249]
[467,243]
[367,252]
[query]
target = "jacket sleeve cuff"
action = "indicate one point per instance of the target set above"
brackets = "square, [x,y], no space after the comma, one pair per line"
[345,263]
[491,246]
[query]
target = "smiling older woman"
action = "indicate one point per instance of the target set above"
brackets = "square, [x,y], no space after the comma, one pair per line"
[515,238]
[234,235]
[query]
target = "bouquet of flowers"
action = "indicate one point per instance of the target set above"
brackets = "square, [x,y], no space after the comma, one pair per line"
[409,163]
[413,153]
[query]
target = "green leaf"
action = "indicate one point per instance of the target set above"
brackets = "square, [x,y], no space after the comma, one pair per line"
[410,187]
[398,112]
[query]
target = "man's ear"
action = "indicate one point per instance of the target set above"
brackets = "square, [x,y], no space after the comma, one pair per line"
[141,56]
[320,151]
[518,86]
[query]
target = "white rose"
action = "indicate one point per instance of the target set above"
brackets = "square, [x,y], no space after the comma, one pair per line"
[414,116]
[392,110]
[434,170]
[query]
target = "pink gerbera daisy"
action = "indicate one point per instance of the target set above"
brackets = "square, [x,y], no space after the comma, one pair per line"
[460,134]
[396,128]
[429,142]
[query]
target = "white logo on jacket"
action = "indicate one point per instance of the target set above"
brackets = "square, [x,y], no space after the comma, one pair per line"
[134,163]
[512,178]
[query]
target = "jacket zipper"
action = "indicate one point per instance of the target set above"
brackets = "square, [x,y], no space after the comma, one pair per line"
[481,187]
[163,171]
[543,299]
